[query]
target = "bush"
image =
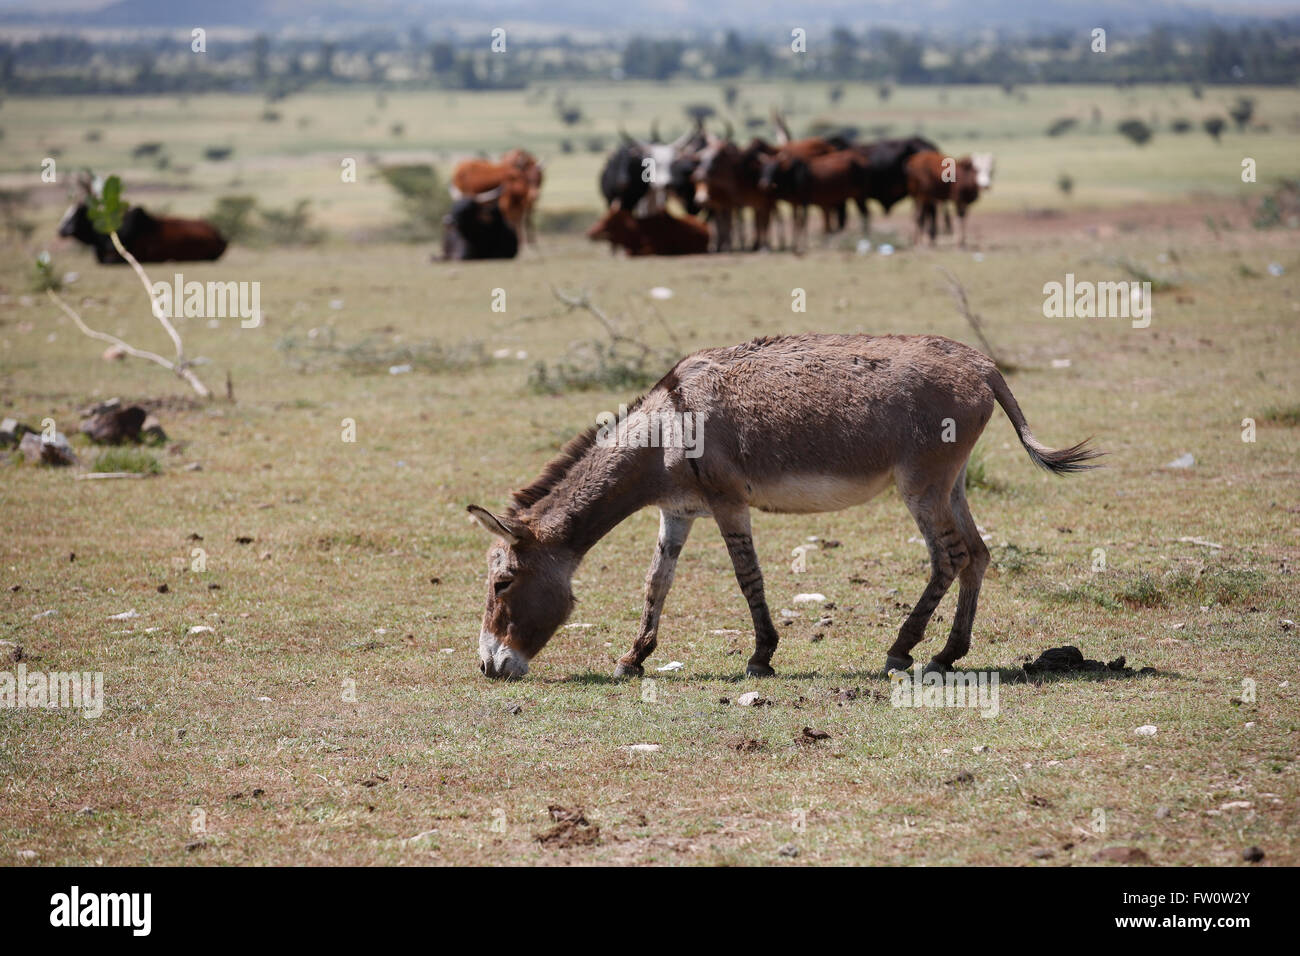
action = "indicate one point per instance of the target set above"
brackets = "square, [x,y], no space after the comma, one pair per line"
[1214,125]
[421,196]
[1062,125]
[1136,131]
[289,227]
[217,154]
[231,215]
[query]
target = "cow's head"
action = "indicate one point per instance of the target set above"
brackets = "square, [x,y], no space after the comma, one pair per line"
[529,595]
[982,163]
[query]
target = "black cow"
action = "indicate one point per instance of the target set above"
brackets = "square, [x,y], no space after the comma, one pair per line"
[476,229]
[886,169]
[621,180]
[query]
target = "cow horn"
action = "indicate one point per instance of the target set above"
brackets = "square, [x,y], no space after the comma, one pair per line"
[654,130]
[782,131]
[730,131]
[680,142]
[488,196]
[626,137]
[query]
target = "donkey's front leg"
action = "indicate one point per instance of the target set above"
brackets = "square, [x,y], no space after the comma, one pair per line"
[673,530]
[734,525]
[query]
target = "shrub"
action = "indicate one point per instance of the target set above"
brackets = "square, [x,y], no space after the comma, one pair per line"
[422,197]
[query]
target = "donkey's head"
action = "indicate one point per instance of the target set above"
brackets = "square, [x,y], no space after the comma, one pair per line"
[529,595]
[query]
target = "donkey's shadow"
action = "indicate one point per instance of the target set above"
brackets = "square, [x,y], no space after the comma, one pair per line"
[1006,675]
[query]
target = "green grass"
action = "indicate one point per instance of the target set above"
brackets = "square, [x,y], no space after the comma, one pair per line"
[136,461]
[334,712]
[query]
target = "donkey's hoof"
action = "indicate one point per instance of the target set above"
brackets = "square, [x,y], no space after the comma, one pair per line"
[628,670]
[753,669]
[897,664]
[937,666]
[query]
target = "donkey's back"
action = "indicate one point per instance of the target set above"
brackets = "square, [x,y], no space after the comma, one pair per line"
[819,422]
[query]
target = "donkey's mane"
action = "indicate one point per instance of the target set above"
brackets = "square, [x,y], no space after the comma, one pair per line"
[573,452]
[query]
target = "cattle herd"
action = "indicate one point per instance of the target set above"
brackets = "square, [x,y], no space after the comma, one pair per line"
[712,180]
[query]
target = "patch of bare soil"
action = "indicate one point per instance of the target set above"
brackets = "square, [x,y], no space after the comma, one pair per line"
[1189,218]
[572,828]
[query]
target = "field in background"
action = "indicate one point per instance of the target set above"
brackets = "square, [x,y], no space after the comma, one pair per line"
[298,155]
[239,745]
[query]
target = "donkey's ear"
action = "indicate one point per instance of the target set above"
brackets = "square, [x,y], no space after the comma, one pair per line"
[503,528]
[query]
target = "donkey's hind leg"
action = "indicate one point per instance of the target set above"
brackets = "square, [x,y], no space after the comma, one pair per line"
[673,530]
[733,522]
[949,555]
[971,576]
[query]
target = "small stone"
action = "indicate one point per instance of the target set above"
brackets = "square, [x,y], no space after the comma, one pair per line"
[750,699]
[1122,854]
[788,849]
[1146,730]
[1252,854]
[1042,853]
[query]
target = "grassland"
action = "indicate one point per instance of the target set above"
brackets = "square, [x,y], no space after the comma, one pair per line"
[363,578]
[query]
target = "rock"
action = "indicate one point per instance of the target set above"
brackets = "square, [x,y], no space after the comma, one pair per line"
[1042,853]
[1182,461]
[1252,854]
[809,599]
[641,748]
[1146,730]
[152,429]
[12,432]
[1122,854]
[788,849]
[38,451]
[10,652]
[115,424]
[125,615]
[750,699]
[1163,813]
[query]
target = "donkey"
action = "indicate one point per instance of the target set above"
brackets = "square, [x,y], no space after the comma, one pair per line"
[798,424]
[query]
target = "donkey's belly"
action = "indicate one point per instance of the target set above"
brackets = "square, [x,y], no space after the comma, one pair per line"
[808,493]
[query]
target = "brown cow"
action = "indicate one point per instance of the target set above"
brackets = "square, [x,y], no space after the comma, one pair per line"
[660,234]
[518,176]
[934,179]
[148,238]
[726,183]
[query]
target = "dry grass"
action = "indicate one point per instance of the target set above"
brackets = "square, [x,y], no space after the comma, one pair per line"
[362,568]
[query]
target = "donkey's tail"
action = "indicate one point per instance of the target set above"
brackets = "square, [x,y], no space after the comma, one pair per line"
[1064,461]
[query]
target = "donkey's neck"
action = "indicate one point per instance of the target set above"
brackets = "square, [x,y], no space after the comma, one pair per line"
[600,490]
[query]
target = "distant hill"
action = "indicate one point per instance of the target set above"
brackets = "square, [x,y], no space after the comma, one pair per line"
[946,16]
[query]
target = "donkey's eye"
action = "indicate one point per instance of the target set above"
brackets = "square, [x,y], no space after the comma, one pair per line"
[499,587]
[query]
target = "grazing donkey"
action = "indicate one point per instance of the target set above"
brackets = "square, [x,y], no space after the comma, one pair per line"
[801,424]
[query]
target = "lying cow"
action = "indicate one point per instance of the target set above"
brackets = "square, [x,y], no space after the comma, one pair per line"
[148,238]
[659,234]
[476,229]
[934,179]
[517,177]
